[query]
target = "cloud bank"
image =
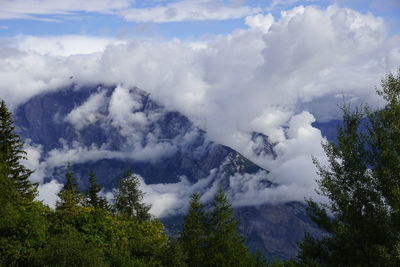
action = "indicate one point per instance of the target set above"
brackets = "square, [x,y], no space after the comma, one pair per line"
[275,77]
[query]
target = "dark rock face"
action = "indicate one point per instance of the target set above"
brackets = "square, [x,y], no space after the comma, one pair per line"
[43,120]
[275,229]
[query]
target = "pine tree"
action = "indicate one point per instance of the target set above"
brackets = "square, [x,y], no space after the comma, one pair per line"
[193,235]
[11,153]
[23,222]
[93,198]
[128,198]
[225,244]
[362,184]
[69,195]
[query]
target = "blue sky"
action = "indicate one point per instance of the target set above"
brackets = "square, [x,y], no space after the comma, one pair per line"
[186,19]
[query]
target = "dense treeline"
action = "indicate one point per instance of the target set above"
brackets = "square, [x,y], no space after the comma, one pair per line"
[85,230]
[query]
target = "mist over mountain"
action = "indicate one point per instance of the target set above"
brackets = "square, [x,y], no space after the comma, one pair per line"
[112,129]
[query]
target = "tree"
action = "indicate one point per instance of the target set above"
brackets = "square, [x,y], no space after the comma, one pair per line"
[11,153]
[193,235]
[175,255]
[69,247]
[93,198]
[128,198]
[23,223]
[69,195]
[225,244]
[362,183]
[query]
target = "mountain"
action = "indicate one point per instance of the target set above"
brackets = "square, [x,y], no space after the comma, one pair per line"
[110,129]
[167,144]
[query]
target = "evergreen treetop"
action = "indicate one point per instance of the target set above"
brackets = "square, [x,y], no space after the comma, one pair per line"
[11,154]
[69,195]
[226,245]
[93,198]
[362,184]
[194,232]
[128,198]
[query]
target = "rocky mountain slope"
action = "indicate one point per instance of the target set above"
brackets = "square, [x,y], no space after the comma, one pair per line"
[159,145]
[112,129]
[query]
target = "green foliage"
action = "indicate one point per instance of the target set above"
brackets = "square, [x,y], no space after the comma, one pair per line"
[11,152]
[69,247]
[362,184]
[212,238]
[226,245]
[194,235]
[23,233]
[69,196]
[257,259]
[77,233]
[128,197]
[92,195]
[288,263]
[22,224]
[175,255]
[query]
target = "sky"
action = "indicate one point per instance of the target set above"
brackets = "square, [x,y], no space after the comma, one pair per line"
[188,19]
[232,67]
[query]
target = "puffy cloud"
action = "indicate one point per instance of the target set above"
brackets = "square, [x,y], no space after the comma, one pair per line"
[48,192]
[122,105]
[189,10]
[261,22]
[34,161]
[232,85]
[292,170]
[87,113]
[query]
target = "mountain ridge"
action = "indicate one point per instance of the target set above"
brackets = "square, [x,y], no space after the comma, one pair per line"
[82,121]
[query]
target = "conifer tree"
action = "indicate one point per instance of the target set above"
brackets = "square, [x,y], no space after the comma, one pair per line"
[193,235]
[128,198]
[93,198]
[23,222]
[11,153]
[362,184]
[69,195]
[225,244]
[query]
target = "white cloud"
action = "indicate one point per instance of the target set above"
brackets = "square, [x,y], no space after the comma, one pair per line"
[169,199]
[48,193]
[78,153]
[189,10]
[246,81]
[88,113]
[65,45]
[261,22]
[34,161]
[32,9]
[292,169]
